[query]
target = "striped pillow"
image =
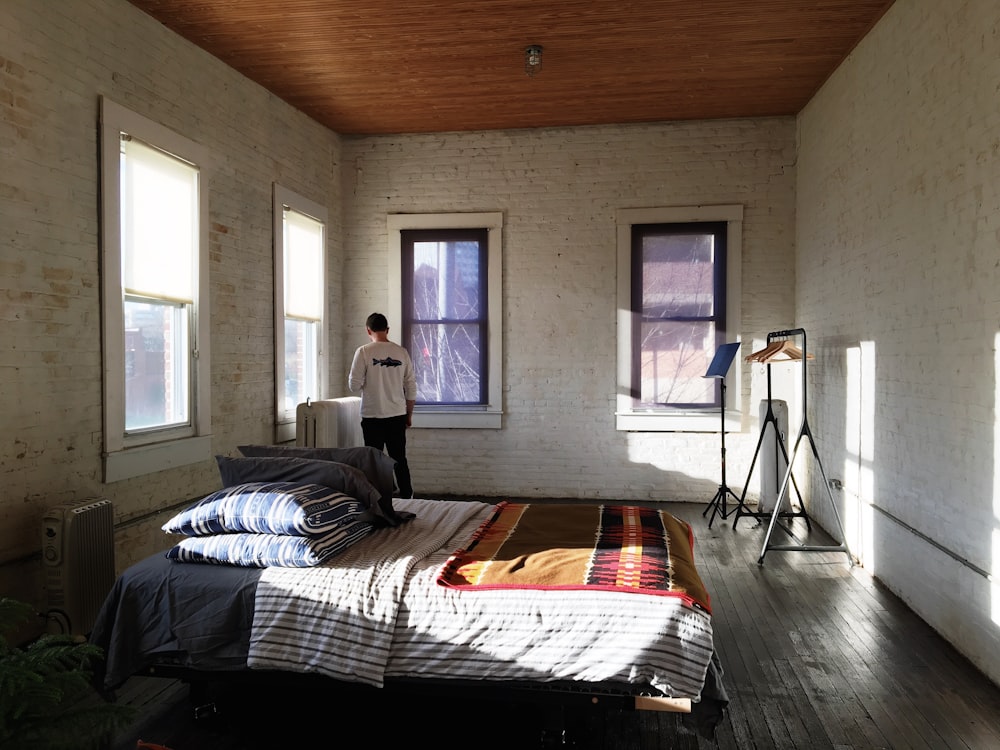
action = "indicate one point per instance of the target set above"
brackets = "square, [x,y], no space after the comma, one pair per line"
[268,550]
[268,508]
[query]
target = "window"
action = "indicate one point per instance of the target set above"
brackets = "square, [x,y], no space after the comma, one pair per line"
[444,314]
[300,306]
[154,281]
[678,302]
[447,268]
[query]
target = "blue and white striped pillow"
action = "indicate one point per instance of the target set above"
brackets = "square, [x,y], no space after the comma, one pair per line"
[268,550]
[268,508]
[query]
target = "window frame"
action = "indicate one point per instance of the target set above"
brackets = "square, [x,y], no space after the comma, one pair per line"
[481,416]
[284,422]
[147,451]
[630,416]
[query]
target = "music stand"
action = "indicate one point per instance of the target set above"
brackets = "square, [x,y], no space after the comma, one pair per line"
[720,366]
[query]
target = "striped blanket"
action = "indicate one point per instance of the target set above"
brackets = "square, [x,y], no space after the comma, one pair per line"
[601,547]
[337,619]
[376,611]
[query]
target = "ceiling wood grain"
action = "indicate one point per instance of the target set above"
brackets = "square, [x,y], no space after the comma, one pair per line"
[382,66]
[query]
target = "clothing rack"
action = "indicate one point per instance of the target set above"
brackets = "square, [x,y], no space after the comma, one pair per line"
[780,347]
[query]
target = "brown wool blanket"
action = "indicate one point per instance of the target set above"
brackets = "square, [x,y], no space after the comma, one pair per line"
[570,546]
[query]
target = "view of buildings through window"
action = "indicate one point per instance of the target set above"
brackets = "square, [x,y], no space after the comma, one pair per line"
[444,313]
[679,300]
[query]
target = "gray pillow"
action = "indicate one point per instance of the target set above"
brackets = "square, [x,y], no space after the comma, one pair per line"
[376,466]
[337,476]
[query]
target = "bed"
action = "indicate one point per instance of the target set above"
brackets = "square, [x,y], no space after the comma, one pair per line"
[409,603]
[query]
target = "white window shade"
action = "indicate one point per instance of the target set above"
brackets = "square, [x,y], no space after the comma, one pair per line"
[161,208]
[303,266]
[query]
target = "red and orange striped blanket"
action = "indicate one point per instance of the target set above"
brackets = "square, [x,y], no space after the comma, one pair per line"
[568,546]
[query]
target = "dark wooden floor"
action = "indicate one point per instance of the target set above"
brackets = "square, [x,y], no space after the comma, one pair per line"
[816,655]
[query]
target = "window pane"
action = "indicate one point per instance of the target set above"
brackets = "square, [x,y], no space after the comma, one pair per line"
[301,376]
[674,357]
[447,363]
[446,280]
[678,275]
[157,365]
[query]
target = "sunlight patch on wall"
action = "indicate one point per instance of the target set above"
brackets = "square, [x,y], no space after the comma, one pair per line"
[859,461]
[995,567]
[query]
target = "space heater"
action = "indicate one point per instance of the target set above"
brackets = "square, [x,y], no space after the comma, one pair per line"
[78,560]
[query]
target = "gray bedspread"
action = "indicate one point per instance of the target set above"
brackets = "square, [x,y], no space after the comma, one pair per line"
[194,616]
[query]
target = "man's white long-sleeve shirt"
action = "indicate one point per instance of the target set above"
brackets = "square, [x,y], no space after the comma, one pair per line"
[383,372]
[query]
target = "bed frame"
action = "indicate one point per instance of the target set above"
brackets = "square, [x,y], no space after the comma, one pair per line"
[557,702]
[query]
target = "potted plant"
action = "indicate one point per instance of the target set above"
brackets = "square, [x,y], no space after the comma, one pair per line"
[47,696]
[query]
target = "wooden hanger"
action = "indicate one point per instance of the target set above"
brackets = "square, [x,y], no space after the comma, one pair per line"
[778,351]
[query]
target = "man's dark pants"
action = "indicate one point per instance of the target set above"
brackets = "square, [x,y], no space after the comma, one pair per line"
[390,435]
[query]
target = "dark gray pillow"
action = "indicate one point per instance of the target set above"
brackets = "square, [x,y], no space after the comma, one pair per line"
[337,476]
[376,466]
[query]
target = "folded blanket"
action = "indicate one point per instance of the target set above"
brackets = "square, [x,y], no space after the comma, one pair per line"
[574,546]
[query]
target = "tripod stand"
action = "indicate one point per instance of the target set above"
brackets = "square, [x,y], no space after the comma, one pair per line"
[718,369]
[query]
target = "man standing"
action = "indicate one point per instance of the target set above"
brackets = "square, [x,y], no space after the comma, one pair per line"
[383,372]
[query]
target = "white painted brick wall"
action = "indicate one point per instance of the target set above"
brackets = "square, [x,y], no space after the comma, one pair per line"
[54,65]
[898,212]
[560,190]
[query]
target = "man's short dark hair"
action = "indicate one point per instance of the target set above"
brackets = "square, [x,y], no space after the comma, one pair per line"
[377,322]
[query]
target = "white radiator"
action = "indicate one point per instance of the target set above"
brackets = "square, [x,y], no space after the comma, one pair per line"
[772,463]
[78,559]
[330,423]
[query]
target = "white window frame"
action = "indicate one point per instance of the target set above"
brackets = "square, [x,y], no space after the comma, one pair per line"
[490,415]
[284,422]
[627,416]
[128,456]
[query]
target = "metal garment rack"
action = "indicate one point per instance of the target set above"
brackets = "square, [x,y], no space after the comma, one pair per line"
[805,432]
[771,419]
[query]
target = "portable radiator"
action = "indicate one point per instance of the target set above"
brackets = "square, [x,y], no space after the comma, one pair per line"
[772,463]
[78,558]
[330,423]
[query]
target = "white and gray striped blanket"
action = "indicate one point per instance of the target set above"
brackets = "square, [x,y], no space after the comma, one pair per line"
[376,611]
[337,619]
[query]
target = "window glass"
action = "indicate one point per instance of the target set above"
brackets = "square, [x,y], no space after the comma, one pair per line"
[680,301]
[301,355]
[157,365]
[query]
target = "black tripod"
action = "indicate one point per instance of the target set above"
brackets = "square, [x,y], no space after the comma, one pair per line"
[718,369]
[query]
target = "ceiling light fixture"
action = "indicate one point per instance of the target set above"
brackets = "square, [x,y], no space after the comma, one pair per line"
[532,59]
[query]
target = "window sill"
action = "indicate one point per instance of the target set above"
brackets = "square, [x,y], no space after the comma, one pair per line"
[147,459]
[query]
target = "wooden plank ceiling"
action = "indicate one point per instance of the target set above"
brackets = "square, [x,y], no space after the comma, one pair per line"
[384,66]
